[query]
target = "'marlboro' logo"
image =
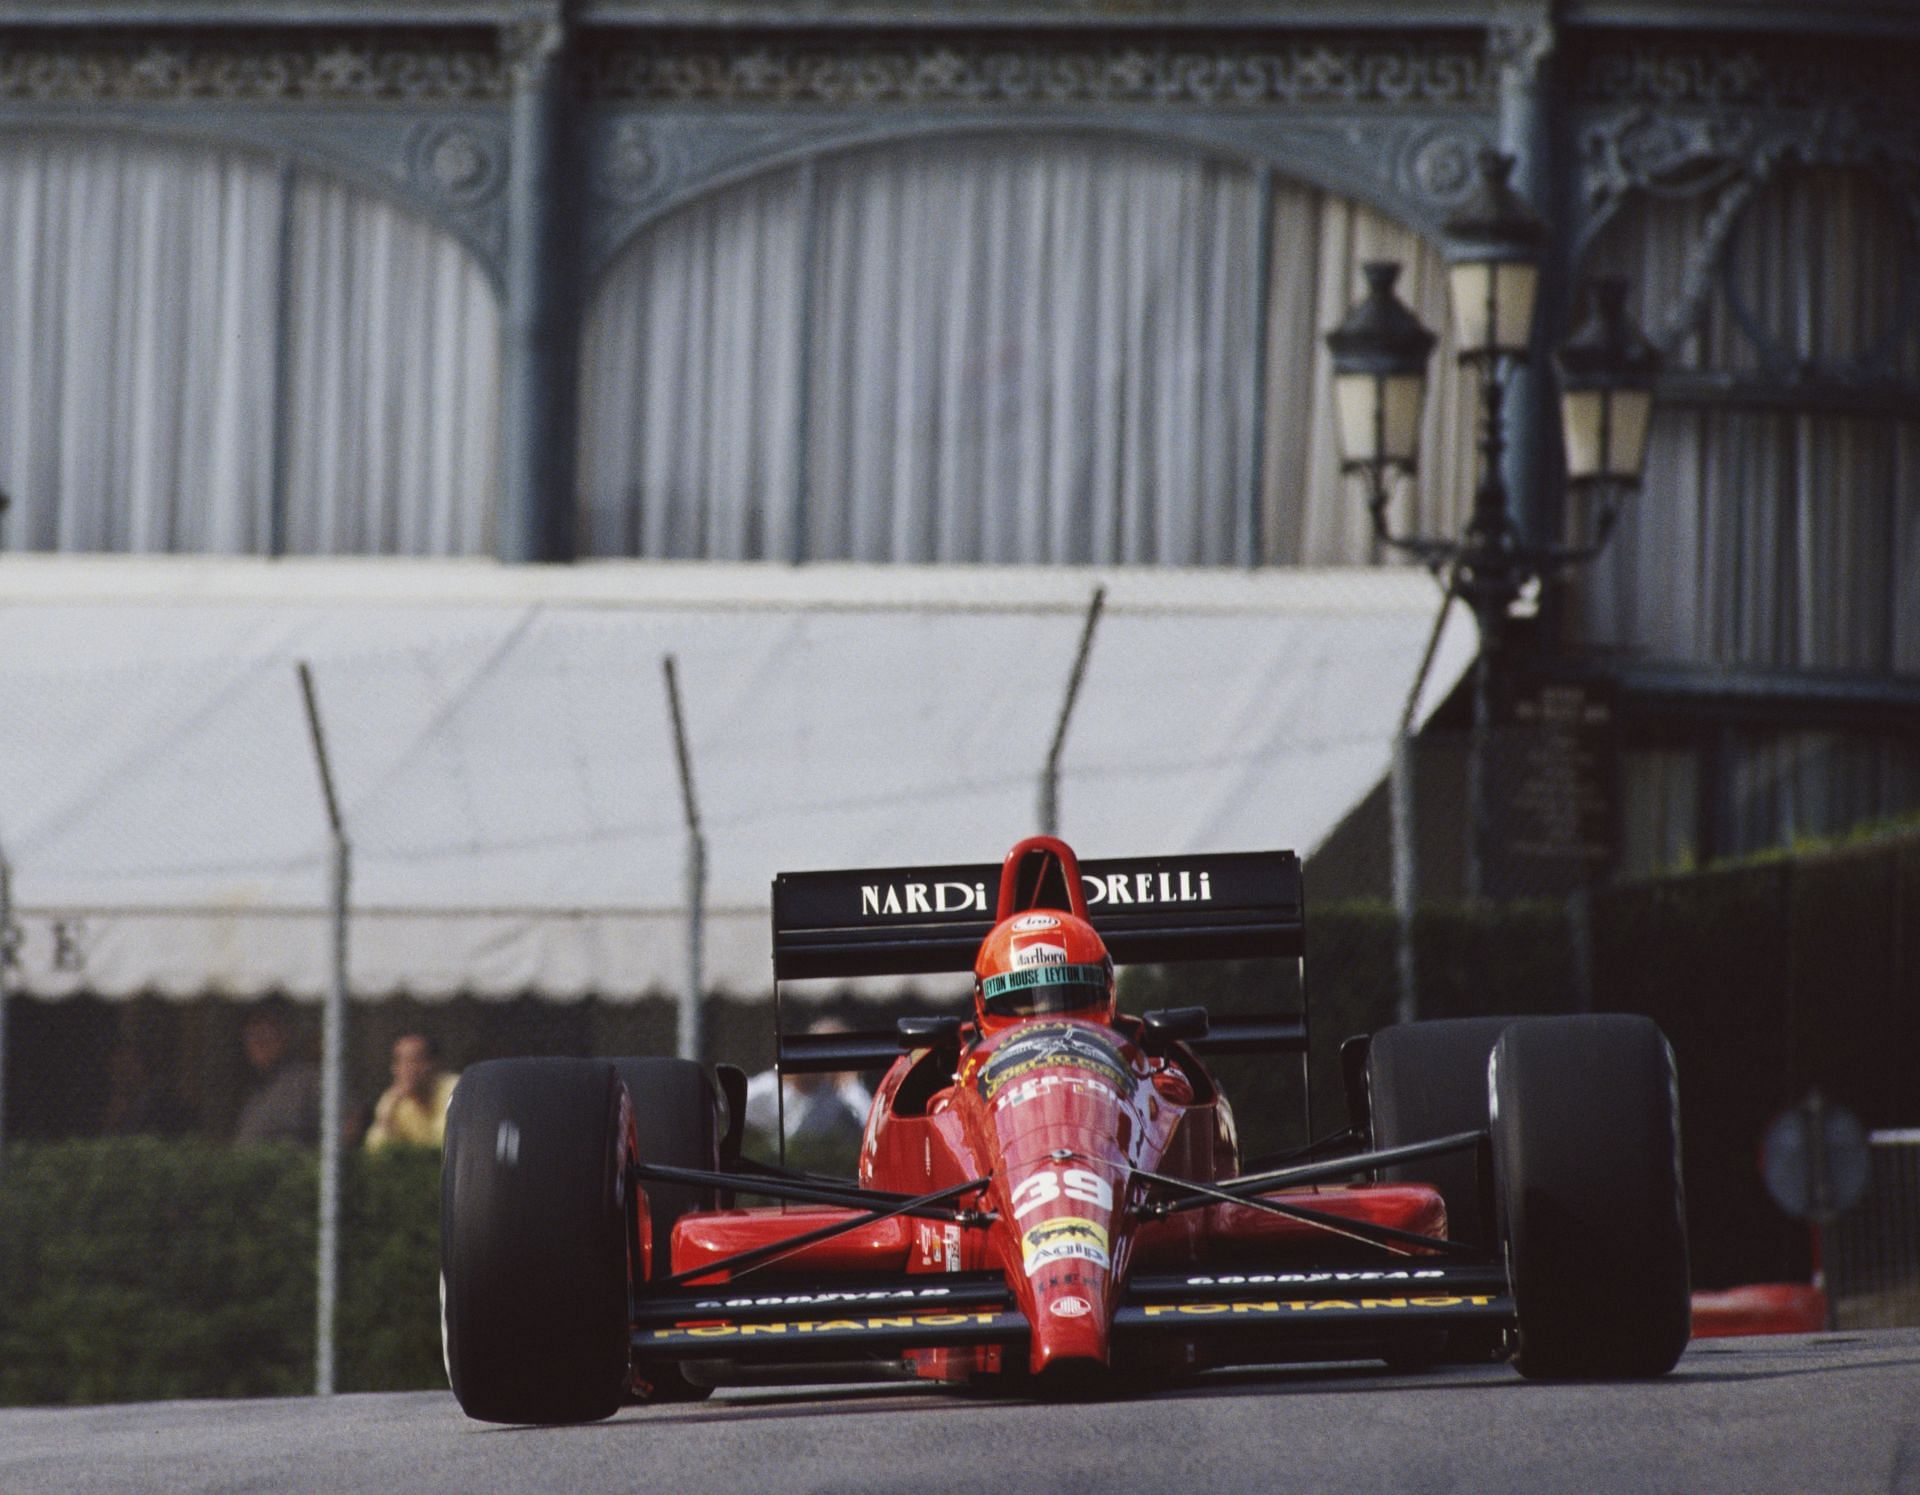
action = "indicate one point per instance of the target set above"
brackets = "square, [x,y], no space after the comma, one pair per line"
[885,900]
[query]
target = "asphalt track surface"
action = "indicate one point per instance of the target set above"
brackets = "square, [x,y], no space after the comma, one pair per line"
[1801,1413]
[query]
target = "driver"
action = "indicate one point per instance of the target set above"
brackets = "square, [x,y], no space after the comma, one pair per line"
[1042,963]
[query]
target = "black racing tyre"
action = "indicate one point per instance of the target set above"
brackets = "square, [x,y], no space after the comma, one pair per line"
[534,1240]
[1427,1080]
[676,1112]
[676,1117]
[1586,1159]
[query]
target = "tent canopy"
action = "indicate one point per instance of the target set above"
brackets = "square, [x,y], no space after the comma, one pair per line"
[503,750]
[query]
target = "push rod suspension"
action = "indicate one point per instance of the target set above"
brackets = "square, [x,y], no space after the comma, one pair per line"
[753,1167]
[786,1188]
[1313,1173]
[1346,1139]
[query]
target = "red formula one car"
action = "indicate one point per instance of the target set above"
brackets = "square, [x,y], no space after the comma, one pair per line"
[1051,1196]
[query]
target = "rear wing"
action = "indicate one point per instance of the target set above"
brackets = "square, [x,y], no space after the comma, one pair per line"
[910,921]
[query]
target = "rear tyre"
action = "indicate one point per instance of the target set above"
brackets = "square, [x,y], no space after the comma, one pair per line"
[1428,1080]
[676,1122]
[1586,1155]
[534,1240]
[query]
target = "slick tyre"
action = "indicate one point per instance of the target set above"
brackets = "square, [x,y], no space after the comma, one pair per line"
[534,1240]
[676,1122]
[676,1119]
[1427,1080]
[1586,1158]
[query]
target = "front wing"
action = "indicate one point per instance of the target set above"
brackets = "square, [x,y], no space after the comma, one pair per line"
[1287,1313]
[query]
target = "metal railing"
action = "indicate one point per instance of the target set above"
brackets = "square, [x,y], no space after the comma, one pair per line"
[1873,1250]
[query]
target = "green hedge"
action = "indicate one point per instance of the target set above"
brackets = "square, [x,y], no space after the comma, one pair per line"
[139,1270]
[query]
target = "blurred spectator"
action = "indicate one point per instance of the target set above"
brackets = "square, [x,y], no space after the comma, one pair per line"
[139,1104]
[413,1110]
[284,1104]
[820,1108]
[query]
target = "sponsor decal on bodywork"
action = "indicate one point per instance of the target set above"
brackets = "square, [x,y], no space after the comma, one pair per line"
[1149,888]
[1262,1279]
[922,898]
[1036,1086]
[900,900]
[788,1329]
[1281,1308]
[1070,1308]
[829,1299]
[1057,1240]
[939,1245]
[1055,1045]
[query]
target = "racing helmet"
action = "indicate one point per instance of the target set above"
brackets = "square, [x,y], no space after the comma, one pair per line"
[1040,963]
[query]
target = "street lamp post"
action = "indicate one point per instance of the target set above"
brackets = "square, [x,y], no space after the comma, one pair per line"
[1606,373]
[1494,275]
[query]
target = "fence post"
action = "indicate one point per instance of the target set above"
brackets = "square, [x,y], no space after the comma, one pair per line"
[1050,775]
[333,1055]
[691,1036]
[9,945]
[1400,809]
[1406,1004]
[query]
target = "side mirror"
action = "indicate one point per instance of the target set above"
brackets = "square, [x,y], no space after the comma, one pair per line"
[733,1090]
[1353,1076]
[923,1032]
[1171,1025]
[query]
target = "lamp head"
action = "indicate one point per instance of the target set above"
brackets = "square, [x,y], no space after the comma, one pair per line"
[1380,352]
[1494,265]
[1607,372]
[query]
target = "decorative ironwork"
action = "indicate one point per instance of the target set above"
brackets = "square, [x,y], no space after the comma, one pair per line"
[1521,45]
[458,163]
[629,163]
[530,48]
[330,69]
[1808,73]
[1730,157]
[962,71]
[1441,166]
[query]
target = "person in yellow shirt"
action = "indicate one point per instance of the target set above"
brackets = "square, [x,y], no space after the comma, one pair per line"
[413,1110]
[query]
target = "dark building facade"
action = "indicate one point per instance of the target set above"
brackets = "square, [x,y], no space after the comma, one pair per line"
[994,282]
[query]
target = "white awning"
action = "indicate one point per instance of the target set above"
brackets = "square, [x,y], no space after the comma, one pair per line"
[502,746]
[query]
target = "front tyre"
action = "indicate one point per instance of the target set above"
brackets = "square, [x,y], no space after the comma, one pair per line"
[534,1240]
[1429,1080]
[1586,1161]
[676,1122]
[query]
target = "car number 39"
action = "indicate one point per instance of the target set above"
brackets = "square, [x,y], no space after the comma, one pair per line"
[1075,1183]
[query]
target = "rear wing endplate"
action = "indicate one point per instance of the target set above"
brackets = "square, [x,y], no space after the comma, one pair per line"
[907,921]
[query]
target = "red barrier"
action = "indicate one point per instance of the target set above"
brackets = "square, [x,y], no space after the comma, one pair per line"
[1760,1308]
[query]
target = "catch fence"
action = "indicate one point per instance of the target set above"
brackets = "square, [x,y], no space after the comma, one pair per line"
[505,855]
[1872,1252]
[516,812]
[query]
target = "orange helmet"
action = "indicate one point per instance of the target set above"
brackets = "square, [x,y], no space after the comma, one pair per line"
[1041,963]
[1045,960]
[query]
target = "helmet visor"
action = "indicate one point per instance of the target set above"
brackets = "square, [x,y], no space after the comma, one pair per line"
[1043,989]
